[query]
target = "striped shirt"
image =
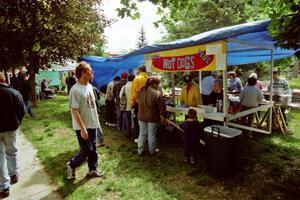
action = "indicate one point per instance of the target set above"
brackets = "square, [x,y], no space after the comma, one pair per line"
[280,86]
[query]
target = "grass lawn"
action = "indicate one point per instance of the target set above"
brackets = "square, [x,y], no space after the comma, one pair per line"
[269,168]
[295,83]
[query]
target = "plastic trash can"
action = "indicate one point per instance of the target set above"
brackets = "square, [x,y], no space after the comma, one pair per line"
[222,148]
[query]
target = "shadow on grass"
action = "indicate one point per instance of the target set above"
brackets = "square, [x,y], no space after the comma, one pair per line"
[266,170]
[56,167]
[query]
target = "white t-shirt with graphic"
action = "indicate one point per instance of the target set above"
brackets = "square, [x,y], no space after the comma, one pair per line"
[82,98]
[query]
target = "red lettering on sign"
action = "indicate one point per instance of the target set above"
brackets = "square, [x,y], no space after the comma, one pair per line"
[187,62]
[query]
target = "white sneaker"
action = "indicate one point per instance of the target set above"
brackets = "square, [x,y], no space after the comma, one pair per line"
[155,152]
[71,171]
[95,173]
[136,140]
[106,123]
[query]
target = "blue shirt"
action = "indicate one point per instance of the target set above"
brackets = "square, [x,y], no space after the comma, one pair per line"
[235,84]
[207,85]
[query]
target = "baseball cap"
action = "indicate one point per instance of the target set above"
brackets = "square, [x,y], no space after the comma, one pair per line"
[124,75]
[187,78]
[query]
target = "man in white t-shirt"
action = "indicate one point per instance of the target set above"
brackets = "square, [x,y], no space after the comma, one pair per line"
[85,121]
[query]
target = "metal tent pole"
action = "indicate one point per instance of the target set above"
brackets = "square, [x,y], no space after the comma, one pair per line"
[271,90]
[200,81]
[173,92]
[225,98]
[173,86]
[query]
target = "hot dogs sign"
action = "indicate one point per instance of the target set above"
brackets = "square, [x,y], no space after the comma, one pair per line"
[207,57]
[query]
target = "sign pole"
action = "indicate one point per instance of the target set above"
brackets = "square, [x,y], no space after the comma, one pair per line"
[271,90]
[225,98]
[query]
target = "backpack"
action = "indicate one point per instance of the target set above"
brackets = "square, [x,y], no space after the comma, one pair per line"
[123,101]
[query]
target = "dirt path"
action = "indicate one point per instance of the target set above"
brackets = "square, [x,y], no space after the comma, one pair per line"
[34,183]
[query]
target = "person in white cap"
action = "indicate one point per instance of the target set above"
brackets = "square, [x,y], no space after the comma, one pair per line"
[258,83]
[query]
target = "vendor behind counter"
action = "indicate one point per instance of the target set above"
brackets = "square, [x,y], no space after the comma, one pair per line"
[190,95]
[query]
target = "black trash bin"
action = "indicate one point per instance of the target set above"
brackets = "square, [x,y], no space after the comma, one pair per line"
[222,149]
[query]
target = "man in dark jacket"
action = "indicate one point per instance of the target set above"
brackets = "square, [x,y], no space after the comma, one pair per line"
[12,113]
[117,88]
[25,89]
[70,81]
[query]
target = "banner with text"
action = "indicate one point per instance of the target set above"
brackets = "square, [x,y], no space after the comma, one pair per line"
[207,57]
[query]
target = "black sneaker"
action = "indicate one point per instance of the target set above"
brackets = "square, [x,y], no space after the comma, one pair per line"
[71,172]
[14,179]
[4,193]
[101,144]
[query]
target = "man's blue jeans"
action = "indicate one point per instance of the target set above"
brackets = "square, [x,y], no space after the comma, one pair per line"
[119,117]
[28,108]
[100,136]
[126,118]
[147,129]
[8,157]
[88,150]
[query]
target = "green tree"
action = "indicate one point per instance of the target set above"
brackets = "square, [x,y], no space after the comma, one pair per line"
[285,27]
[97,50]
[200,16]
[286,30]
[38,32]
[141,38]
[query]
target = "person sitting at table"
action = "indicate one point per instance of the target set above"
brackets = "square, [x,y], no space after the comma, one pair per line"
[280,87]
[234,83]
[250,97]
[258,83]
[217,93]
[45,91]
[207,86]
[191,128]
[190,95]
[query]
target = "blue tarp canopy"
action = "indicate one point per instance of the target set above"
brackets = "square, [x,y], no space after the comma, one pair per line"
[246,43]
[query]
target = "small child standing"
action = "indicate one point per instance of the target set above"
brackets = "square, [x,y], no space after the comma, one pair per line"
[191,137]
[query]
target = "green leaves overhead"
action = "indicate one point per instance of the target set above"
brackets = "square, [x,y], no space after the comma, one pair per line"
[183,18]
[285,27]
[48,31]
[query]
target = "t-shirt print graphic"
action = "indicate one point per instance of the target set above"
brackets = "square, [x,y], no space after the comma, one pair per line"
[90,101]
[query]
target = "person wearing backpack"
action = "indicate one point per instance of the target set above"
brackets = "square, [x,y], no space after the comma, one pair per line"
[117,88]
[125,106]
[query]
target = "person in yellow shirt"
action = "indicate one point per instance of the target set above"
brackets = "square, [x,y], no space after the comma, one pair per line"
[190,95]
[138,82]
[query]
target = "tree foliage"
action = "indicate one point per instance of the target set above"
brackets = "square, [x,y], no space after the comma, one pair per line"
[286,30]
[285,27]
[141,40]
[200,16]
[36,32]
[49,31]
